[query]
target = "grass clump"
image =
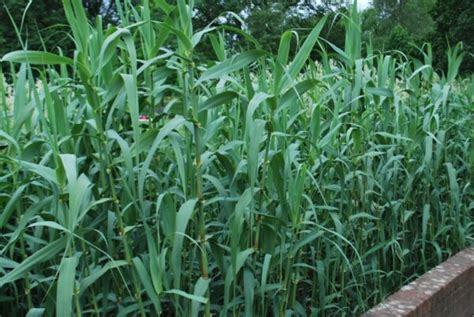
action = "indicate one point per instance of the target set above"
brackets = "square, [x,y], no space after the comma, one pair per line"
[137,181]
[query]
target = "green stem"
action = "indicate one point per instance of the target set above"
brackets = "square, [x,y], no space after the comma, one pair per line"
[199,186]
[128,253]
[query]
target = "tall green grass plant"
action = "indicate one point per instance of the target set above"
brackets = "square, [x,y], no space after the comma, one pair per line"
[136,180]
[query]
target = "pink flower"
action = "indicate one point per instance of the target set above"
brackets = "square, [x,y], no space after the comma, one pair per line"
[143,118]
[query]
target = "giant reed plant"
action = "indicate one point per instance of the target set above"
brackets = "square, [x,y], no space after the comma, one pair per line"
[257,185]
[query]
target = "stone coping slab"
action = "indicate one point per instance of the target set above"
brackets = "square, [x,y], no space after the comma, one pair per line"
[445,291]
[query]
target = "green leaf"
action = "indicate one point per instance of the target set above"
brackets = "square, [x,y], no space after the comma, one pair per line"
[253,148]
[98,273]
[249,287]
[65,290]
[231,274]
[231,64]
[132,101]
[295,92]
[200,289]
[217,100]
[362,215]
[146,281]
[109,47]
[36,58]
[35,312]
[40,256]
[9,208]
[384,92]
[170,126]
[194,298]
[182,219]
[303,54]
[236,227]
[265,271]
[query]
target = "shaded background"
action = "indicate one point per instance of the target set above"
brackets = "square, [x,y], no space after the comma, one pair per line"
[388,24]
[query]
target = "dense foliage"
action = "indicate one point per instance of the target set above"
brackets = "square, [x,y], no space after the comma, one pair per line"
[42,24]
[454,21]
[137,180]
[388,24]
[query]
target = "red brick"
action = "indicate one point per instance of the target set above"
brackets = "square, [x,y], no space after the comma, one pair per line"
[445,291]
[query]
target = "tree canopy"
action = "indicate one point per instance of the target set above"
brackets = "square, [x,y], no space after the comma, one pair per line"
[454,22]
[390,24]
[42,24]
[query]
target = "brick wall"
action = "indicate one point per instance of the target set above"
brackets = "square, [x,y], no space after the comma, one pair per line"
[445,291]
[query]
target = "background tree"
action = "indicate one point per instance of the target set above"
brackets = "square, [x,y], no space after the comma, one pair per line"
[46,27]
[267,20]
[267,24]
[391,24]
[454,22]
[395,23]
[45,23]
